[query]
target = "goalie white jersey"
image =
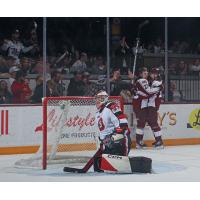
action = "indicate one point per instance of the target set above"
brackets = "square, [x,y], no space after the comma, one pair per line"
[109,117]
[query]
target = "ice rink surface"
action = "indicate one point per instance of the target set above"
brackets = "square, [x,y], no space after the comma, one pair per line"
[181,163]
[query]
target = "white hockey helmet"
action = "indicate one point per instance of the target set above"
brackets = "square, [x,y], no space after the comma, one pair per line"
[101,98]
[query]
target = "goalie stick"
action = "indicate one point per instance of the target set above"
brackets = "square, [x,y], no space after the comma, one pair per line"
[87,166]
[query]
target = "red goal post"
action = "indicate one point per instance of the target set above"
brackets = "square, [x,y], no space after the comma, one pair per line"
[79,104]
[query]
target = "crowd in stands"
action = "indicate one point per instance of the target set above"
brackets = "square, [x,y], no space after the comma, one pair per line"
[184,68]
[20,57]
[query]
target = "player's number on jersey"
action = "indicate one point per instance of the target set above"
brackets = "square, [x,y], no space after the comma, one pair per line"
[101,124]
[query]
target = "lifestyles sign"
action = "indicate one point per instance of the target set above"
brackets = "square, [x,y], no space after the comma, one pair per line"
[74,125]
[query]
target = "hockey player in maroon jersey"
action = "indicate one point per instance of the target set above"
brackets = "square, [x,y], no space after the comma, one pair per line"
[155,82]
[113,127]
[144,97]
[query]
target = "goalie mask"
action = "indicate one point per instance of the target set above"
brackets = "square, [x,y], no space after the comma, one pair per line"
[101,98]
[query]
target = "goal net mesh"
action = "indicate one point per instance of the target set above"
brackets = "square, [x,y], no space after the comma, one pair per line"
[72,135]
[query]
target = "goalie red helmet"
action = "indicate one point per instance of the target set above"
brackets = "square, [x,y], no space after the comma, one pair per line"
[101,98]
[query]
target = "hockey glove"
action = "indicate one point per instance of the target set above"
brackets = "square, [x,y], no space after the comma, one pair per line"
[118,135]
[107,141]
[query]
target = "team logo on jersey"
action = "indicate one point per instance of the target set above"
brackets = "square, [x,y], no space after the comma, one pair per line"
[101,124]
[194,119]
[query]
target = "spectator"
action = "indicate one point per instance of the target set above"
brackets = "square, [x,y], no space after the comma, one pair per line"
[25,65]
[7,63]
[51,89]
[175,47]
[5,96]
[80,64]
[66,64]
[172,69]
[38,92]
[123,55]
[174,94]
[158,47]
[99,67]
[184,47]
[20,89]
[38,69]
[195,67]
[89,87]
[14,47]
[56,78]
[141,49]
[10,61]
[101,83]
[33,40]
[76,85]
[12,72]
[150,48]
[3,66]
[117,85]
[63,63]
[181,68]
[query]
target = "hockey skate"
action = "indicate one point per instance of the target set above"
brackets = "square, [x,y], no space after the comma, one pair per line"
[141,145]
[158,144]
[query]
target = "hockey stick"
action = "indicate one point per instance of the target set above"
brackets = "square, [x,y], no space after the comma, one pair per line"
[87,166]
[137,42]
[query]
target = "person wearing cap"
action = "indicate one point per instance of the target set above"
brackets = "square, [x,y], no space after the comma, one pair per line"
[76,85]
[20,89]
[12,75]
[14,47]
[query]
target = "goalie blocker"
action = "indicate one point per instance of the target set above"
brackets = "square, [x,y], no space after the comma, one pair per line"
[125,164]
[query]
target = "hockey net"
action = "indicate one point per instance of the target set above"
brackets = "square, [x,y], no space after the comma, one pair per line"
[70,134]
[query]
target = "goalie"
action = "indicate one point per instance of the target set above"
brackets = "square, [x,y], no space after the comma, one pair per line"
[113,126]
[115,142]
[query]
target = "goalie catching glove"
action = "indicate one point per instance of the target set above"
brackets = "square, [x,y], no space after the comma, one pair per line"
[116,137]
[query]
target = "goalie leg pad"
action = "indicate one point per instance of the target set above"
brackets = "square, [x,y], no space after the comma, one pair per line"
[115,163]
[125,164]
[141,164]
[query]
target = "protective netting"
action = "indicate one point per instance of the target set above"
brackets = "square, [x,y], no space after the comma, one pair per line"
[72,135]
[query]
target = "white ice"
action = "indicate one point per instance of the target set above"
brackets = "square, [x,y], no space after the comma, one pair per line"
[181,163]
